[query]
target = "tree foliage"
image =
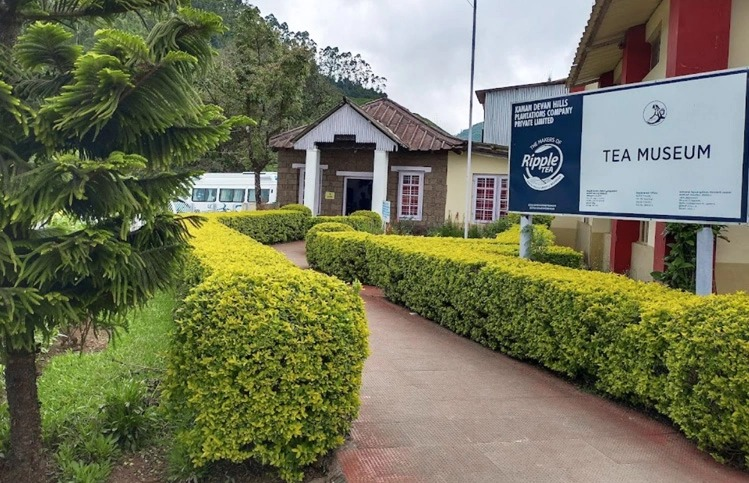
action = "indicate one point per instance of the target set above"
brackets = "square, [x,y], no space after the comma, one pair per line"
[276,76]
[100,136]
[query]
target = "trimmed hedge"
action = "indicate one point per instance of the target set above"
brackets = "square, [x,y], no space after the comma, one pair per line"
[267,359]
[268,227]
[685,356]
[291,223]
[366,221]
[297,207]
[542,236]
[555,255]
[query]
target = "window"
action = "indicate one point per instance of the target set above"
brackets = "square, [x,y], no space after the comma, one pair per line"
[264,195]
[490,197]
[231,196]
[644,232]
[655,50]
[410,195]
[203,195]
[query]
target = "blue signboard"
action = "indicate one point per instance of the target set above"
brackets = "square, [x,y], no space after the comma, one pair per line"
[669,150]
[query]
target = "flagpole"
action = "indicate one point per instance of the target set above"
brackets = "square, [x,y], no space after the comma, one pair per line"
[469,168]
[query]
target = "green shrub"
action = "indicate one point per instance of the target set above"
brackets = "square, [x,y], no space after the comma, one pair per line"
[127,415]
[327,227]
[375,218]
[267,360]
[268,227]
[541,236]
[453,228]
[546,220]
[297,207]
[685,356]
[365,223]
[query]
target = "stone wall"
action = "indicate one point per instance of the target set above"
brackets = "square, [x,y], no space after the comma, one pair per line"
[288,177]
[435,184]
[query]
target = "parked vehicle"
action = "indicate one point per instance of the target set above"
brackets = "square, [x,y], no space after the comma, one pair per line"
[227,192]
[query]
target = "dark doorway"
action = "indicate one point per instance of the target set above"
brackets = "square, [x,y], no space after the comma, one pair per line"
[358,195]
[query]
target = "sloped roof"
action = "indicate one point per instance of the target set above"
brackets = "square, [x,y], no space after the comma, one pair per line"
[481,94]
[599,49]
[408,130]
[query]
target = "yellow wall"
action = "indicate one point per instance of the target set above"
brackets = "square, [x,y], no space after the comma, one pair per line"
[738,55]
[565,230]
[456,178]
[659,20]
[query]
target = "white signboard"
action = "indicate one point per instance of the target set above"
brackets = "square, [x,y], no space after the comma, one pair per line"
[671,150]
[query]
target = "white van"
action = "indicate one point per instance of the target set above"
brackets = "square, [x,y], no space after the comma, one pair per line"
[227,192]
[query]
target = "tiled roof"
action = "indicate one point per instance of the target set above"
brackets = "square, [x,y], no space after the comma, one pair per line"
[410,131]
[286,139]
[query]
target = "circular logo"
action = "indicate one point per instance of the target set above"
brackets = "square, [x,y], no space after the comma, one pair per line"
[655,113]
[543,165]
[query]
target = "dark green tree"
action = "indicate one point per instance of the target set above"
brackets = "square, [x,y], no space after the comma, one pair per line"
[98,136]
[262,74]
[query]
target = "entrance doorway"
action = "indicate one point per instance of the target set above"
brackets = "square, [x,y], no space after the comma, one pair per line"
[358,195]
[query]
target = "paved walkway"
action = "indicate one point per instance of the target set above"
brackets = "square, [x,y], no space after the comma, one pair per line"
[440,408]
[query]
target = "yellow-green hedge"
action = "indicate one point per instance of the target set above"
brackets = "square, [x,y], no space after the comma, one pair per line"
[366,221]
[542,236]
[291,223]
[268,227]
[686,356]
[267,358]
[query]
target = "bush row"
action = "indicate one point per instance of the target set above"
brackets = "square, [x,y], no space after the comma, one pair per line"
[556,255]
[366,221]
[267,358]
[291,223]
[685,356]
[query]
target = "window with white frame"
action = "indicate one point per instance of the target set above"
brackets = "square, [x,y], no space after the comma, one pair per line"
[490,197]
[410,195]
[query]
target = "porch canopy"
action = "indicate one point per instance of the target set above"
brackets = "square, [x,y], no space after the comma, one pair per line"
[382,126]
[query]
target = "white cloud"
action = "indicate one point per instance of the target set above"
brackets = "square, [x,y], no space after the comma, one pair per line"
[423,46]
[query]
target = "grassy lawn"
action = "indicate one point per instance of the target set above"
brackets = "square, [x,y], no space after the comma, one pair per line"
[97,407]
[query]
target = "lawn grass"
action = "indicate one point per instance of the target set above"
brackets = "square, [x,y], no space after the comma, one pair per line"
[95,406]
[76,385]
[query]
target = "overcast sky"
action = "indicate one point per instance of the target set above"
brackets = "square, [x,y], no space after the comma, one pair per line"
[422,47]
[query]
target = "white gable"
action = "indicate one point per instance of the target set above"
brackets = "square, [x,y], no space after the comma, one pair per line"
[346,120]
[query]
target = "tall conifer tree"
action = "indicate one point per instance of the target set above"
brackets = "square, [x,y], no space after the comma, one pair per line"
[99,137]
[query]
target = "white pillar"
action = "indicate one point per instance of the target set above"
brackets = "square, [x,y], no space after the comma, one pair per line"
[311,175]
[380,182]
[526,235]
[705,249]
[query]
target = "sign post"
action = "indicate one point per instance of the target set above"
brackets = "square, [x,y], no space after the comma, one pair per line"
[385,213]
[672,150]
[526,236]
[705,250]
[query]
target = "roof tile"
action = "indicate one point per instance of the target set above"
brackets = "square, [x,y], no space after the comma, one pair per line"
[411,131]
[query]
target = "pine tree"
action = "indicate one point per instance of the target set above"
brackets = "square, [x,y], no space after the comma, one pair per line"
[99,137]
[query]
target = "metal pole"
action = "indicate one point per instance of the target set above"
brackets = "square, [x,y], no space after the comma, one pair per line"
[526,236]
[469,168]
[705,250]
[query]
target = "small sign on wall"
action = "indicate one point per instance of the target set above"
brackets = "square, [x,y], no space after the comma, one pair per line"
[386,210]
[330,195]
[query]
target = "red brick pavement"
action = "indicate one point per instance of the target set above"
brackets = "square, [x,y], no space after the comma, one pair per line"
[437,407]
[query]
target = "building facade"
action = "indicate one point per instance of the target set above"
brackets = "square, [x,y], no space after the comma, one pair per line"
[632,41]
[357,157]
[498,103]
